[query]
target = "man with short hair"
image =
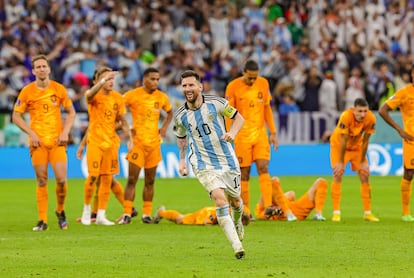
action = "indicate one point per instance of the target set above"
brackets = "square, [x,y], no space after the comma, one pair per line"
[349,143]
[48,135]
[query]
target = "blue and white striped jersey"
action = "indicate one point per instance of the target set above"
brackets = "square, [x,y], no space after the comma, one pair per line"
[204,128]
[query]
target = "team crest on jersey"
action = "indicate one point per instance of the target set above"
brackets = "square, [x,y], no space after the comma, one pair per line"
[260,96]
[157,106]
[115,106]
[53,100]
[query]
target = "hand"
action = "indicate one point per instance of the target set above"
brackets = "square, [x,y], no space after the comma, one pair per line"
[228,137]
[338,170]
[79,152]
[34,140]
[63,139]
[363,171]
[183,168]
[273,141]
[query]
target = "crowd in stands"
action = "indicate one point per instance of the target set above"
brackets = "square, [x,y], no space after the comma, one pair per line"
[318,55]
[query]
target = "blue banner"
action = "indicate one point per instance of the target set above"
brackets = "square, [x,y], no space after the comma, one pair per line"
[384,159]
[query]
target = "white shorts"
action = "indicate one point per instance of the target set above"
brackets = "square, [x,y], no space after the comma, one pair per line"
[227,180]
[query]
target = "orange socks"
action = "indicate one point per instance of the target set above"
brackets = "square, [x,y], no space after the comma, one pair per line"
[336,195]
[147,208]
[320,195]
[42,199]
[405,188]
[61,192]
[266,189]
[169,214]
[104,190]
[128,206]
[366,196]
[245,195]
[88,189]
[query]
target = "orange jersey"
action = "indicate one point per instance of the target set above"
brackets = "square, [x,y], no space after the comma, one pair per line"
[44,106]
[206,215]
[250,102]
[355,130]
[145,109]
[103,111]
[404,98]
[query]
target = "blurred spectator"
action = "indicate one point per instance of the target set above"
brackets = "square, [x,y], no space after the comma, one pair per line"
[355,88]
[312,87]
[7,95]
[328,94]
[288,105]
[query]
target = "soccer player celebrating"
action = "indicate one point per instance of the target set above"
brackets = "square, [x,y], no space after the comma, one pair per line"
[403,99]
[349,143]
[201,120]
[48,135]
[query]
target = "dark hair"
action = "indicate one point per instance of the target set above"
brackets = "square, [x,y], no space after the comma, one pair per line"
[150,70]
[190,73]
[360,102]
[251,65]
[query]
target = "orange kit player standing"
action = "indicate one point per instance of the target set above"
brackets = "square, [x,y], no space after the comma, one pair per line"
[285,207]
[106,108]
[250,95]
[145,104]
[48,136]
[349,143]
[404,99]
[204,216]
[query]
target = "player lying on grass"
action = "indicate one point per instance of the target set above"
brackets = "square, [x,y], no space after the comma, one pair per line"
[204,216]
[286,207]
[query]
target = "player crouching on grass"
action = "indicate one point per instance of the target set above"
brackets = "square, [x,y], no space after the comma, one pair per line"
[286,207]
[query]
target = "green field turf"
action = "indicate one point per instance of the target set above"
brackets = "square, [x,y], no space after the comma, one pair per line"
[351,248]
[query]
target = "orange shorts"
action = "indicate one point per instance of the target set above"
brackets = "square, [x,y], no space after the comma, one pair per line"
[353,156]
[145,156]
[102,161]
[408,155]
[247,153]
[302,207]
[43,155]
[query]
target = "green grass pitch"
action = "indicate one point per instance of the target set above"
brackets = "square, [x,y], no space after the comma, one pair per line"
[351,248]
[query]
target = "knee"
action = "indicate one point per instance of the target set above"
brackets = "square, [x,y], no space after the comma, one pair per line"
[262,169]
[42,180]
[408,174]
[132,180]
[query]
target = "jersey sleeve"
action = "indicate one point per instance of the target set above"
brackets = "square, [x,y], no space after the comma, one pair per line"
[370,127]
[179,129]
[21,102]
[229,111]
[395,100]
[344,122]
